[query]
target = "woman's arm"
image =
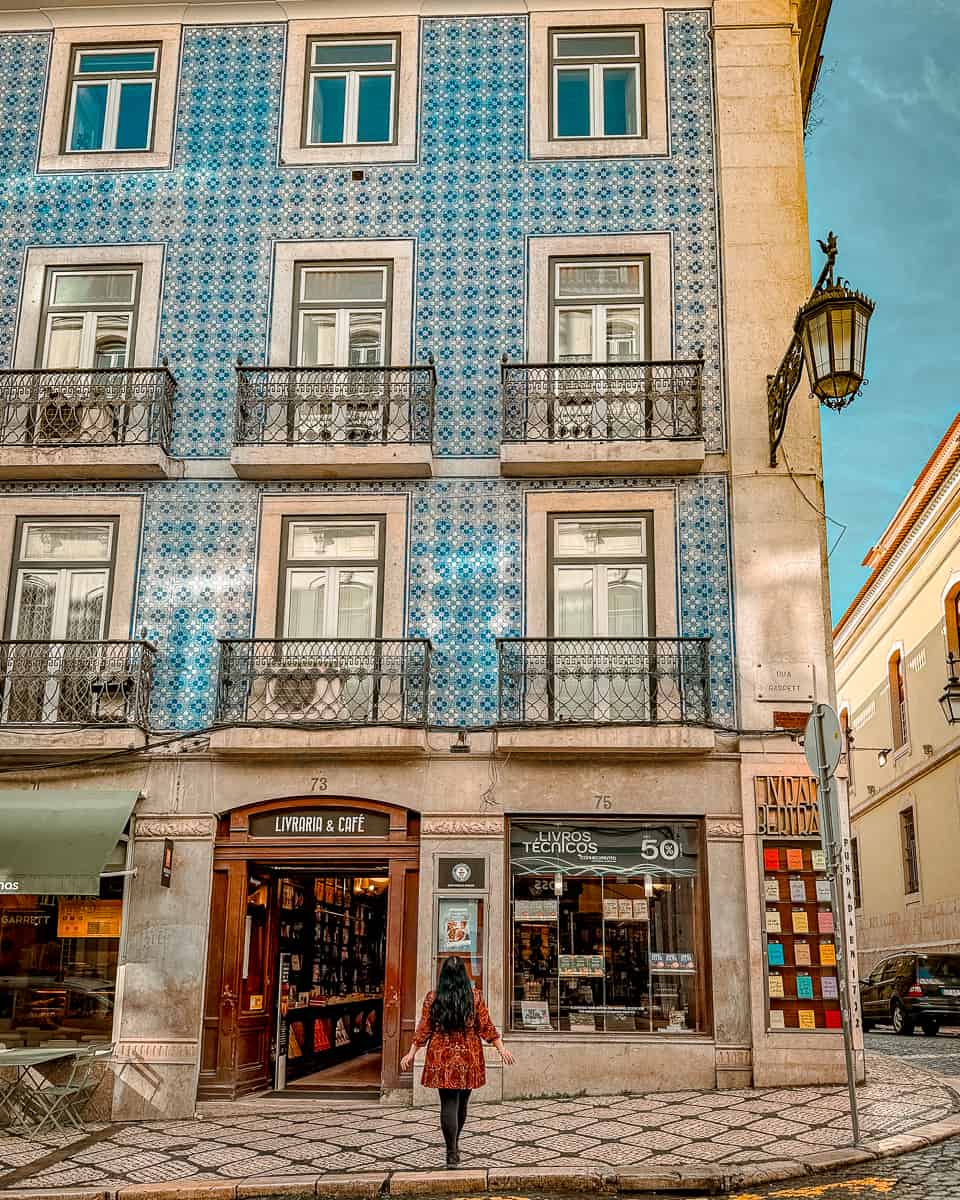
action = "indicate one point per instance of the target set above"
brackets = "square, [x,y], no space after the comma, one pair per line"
[423,1034]
[489,1032]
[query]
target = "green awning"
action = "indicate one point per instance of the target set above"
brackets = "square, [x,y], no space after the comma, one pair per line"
[57,842]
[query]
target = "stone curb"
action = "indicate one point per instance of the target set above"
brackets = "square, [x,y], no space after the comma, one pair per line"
[701,1181]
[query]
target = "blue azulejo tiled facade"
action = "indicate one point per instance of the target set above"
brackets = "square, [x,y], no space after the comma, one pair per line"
[471,203]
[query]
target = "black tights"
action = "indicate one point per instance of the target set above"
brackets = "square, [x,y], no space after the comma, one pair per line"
[453,1114]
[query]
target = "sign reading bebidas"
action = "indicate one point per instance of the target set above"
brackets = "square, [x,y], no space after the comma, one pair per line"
[787,806]
[338,823]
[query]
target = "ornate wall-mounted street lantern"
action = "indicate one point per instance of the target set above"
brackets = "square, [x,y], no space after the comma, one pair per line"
[830,333]
[950,700]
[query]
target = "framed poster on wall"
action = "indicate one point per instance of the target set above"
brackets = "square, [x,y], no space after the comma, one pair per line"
[457,926]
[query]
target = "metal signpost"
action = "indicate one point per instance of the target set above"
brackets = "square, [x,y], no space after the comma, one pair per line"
[823,745]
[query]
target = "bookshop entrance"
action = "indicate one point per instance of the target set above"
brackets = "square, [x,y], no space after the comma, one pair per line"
[311,970]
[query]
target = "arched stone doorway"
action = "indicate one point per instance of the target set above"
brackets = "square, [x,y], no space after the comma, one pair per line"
[280,866]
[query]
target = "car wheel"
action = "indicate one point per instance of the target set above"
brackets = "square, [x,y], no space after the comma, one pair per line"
[931,1028]
[901,1022]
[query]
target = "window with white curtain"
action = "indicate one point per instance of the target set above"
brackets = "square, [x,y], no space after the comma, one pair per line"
[332,574]
[88,318]
[600,575]
[600,312]
[341,315]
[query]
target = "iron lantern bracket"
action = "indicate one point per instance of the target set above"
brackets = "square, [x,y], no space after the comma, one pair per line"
[782,386]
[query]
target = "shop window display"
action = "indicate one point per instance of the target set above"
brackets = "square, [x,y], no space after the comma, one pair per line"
[58,966]
[607,927]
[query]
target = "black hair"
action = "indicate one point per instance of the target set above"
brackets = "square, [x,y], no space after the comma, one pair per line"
[452,1004]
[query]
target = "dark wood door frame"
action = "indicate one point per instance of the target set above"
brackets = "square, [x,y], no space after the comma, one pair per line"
[235,1046]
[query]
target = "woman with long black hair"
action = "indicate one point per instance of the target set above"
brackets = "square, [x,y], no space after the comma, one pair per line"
[453,1022]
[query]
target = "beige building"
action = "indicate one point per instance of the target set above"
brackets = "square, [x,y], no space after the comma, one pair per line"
[891,649]
[372,646]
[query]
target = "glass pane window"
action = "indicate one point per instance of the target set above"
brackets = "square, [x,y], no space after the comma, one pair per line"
[607,927]
[600,538]
[49,542]
[312,541]
[351,90]
[600,327]
[351,328]
[88,321]
[112,96]
[597,90]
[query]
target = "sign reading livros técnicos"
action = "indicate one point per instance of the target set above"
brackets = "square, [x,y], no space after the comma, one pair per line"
[320,823]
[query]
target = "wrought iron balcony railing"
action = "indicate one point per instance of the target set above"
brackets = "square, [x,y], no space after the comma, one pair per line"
[129,406]
[344,681]
[335,406]
[600,402]
[604,681]
[76,683]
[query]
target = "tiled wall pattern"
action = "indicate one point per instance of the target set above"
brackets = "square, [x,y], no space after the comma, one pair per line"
[471,202]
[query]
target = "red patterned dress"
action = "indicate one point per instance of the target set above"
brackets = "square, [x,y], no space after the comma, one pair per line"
[455,1060]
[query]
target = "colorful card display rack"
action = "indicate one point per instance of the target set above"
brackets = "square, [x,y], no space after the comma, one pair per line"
[799,937]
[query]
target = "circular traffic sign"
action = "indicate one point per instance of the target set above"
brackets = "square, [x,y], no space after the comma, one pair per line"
[832,740]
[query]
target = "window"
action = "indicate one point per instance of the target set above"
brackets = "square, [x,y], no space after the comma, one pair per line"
[341,314]
[88,318]
[908,847]
[58,961]
[952,615]
[601,589]
[112,98]
[599,310]
[60,593]
[847,740]
[597,83]
[607,927]
[351,91]
[898,700]
[855,872]
[332,572]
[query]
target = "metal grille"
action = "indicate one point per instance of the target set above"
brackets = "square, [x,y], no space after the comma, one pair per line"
[628,401]
[603,681]
[316,406]
[347,681]
[76,683]
[115,407]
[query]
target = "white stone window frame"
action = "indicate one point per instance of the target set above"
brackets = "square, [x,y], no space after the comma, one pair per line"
[393,509]
[53,155]
[287,255]
[406,31]
[656,141]
[39,259]
[660,502]
[656,247]
[126,510]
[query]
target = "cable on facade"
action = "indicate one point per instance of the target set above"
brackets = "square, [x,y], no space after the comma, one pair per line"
[806,499]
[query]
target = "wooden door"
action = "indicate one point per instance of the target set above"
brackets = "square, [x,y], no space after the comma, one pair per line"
[399,992]
[235,1050]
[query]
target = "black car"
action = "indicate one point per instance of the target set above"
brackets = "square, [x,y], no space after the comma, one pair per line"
[908,990]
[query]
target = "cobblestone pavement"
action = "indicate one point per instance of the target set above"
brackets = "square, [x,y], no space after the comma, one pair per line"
[660,1130]
[939,1054]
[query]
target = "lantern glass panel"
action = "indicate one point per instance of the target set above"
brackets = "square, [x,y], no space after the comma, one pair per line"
[842,331]
[859,341]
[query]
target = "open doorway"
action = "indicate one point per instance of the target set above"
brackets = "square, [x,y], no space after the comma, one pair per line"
[331,940]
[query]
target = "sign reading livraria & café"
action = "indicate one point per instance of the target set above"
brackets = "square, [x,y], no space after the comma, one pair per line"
[333,823]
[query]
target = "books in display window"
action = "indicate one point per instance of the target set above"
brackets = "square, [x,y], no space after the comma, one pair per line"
[798,930]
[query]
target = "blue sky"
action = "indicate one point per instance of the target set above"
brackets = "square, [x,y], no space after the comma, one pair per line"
[883,171]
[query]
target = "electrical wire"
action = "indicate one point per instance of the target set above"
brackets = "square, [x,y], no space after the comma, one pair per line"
[806,499]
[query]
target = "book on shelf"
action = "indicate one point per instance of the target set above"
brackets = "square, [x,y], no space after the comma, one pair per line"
[825,922]
[776,1019]
[771,888]
[773,921]
[828,987]
[799,921]
[775,954]
[775,985]
[611,910]
[828,954]
[771,859]
[794,860]
[823,891]
[833,1019]
[625,910]
[641,910]
[804,987]
[818,860]
[806,1018]
[801,954]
